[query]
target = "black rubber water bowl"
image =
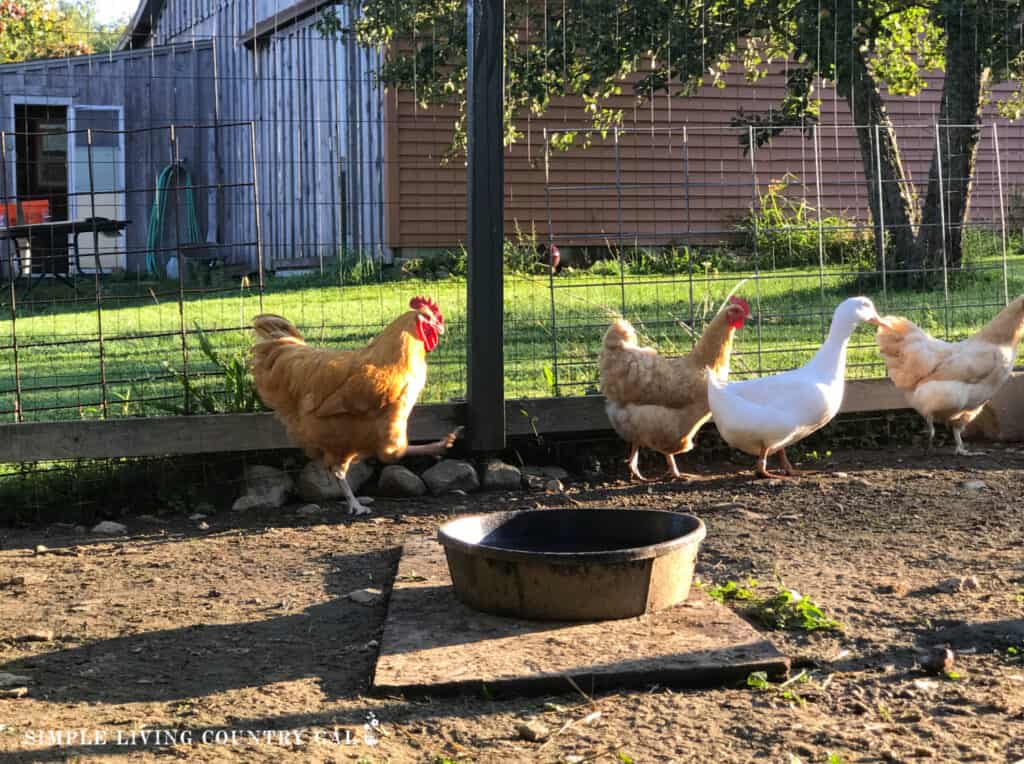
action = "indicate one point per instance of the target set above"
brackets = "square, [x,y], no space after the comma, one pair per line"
[572,564]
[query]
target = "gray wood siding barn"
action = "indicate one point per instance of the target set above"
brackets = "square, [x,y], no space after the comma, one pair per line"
[318,115]
[143,92]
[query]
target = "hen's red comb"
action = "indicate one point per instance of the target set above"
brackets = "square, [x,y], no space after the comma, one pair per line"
[420,302]
[742,303]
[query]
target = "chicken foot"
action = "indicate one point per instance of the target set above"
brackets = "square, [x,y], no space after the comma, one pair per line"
[787,467]
[762,465]
[632,461]
[438,447]
[930,429]
[960,449]
[354,505]
[674,468]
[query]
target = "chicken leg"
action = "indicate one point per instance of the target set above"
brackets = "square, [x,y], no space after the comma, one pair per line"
[354,507]
[674,468]
[787,467]
[438,447]
[634,458]
[762,465]
[930,429]
[957,437]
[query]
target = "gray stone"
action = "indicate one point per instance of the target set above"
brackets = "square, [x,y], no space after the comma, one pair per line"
[317,483]
[13,680]
[554,486]
[499,476]
[533,731]
[309,510]
[555,472]
[450,475]
[535,482]
[396,480]
[365,596]
[109,528]
[974,485]
[265,488]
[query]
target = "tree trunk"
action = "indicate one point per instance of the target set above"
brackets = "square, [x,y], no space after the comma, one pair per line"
[893,211]
[952,169]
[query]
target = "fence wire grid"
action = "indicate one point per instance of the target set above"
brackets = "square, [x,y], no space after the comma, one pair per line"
[244,162]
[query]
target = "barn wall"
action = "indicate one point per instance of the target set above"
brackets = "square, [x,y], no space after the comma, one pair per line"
[676,186]
[156,88]
[318,125]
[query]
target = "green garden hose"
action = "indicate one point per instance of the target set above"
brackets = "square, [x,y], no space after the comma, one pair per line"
[156,265]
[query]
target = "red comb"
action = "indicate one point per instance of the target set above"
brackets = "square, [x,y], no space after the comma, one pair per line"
[742,303]
[420,302]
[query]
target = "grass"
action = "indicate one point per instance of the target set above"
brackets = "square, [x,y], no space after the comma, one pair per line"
[552,336]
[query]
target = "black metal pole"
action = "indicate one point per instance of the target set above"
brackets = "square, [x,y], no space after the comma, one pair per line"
[485,225]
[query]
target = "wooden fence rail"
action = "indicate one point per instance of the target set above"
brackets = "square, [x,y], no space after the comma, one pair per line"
[174,435]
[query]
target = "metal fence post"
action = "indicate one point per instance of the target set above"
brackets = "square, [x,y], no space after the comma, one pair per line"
[485,223]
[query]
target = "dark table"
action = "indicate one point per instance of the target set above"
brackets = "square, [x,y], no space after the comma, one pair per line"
[39,237]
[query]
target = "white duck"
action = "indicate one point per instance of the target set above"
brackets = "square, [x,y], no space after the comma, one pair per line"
[763,416]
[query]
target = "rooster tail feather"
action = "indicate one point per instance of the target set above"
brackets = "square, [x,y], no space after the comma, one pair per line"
[270,327]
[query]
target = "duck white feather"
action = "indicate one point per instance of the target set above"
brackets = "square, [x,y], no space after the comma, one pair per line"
[764,416]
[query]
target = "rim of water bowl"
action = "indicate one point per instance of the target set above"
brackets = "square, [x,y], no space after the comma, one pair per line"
[447,539]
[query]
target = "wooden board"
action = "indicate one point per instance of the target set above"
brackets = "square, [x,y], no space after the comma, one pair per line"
[202,434]
[435,645]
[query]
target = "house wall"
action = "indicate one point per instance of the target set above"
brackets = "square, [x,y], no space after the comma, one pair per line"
[318,124]
[156,88]
[683,174]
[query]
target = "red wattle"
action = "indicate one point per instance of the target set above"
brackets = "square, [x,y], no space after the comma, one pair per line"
[427,334]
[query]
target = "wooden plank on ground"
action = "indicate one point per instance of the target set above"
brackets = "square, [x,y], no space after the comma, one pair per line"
[434,645]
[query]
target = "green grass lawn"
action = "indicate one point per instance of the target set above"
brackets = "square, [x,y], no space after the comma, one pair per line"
[551,336]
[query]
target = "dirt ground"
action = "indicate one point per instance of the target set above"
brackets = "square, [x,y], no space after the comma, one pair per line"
[237,642]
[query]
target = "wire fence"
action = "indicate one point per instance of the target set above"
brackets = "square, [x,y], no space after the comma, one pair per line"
[155,200]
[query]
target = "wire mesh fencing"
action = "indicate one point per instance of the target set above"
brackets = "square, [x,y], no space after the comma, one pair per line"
[685,215]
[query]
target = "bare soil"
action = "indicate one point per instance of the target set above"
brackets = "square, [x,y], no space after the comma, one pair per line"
[208,638]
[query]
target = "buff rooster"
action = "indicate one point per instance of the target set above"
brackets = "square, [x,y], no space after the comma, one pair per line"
[346,405]
[660,403]
[951,381]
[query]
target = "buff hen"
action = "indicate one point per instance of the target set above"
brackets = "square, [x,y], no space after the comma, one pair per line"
[346,405]
[951,381]
[657,402]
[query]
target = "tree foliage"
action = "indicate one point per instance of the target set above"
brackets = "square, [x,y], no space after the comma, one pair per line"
[31,29]
[867,49]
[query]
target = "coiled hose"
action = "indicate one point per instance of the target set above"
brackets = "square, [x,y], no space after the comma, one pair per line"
[156,263]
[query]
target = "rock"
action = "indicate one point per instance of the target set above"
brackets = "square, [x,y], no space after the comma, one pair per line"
[309,510]
[450,475]
[14,693]
[109,528]
[534,482]
[203,526]
[40,549]
[42,635]
[197,516]
[958,584]
[396,480]
[554,486]
[896,587]
[13,680]
[265,488]
[840,475]
[365,596]
[247,502]
[499,476]
[974,485]
[533,731]
[317,483]
[555,472]
[938,660]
